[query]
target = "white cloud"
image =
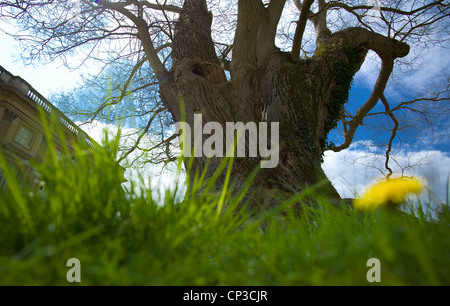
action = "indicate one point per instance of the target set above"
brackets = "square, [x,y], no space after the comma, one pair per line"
[352,170]
[368,73]
[46,78]
[430,65]
[140,174]
[426,65]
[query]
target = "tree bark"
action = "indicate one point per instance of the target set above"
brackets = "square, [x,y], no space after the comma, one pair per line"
[305,96]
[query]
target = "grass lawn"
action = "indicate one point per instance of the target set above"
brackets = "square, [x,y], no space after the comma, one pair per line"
[122,236]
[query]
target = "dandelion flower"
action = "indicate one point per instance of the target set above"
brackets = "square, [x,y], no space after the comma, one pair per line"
[388,192]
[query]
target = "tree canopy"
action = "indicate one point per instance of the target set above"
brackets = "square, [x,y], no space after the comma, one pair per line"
[229,42]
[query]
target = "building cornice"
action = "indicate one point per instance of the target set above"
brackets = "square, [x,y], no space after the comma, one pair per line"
[35,101]
[9,115]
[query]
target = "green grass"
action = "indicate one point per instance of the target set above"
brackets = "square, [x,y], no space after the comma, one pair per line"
[125,237]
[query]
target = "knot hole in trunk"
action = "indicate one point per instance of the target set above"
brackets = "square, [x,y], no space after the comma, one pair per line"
[211,72]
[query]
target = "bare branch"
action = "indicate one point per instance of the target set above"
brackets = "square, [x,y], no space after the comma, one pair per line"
[320,21]
[301,24]
[162,7]
[246,36]
[385,72]
[394,133]
[149,49]
[334,4]
[268,28]
[144,132]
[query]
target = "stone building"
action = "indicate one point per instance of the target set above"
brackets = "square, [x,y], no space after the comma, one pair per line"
[22,136]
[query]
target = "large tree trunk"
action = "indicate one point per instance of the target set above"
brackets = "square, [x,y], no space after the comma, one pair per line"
[305,96]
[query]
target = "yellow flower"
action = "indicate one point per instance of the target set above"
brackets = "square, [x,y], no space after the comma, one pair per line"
[388,192]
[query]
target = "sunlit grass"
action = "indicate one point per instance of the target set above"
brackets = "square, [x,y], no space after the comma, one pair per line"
[123,236]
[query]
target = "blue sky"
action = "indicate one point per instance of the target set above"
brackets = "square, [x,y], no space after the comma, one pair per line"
[350,170]
[44,78]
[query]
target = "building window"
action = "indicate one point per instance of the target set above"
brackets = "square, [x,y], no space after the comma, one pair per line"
[24,136]
[15,171]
